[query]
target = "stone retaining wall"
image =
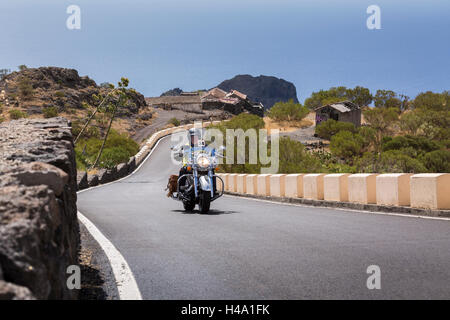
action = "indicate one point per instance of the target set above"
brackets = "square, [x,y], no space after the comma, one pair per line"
[39,231]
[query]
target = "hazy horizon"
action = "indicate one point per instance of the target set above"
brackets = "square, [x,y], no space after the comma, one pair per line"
[160,45]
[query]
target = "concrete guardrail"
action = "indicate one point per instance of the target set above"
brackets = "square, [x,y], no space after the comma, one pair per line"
[425,192]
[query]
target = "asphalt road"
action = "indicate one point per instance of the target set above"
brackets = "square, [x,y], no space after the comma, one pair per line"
[249,249]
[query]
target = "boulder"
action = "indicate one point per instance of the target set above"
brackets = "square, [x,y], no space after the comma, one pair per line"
[82,180]
[131,165]
[9,291]
[93,180]
[107,175]
[122,170]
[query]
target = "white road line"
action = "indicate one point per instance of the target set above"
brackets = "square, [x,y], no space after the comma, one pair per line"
[340,209]
[126,283]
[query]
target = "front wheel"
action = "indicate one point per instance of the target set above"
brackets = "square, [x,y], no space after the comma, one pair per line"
[205,201]
[188,205]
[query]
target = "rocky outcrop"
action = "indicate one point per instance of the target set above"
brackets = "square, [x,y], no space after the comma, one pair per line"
[9,291]
[103,176]
[173,92]
[264,89]
[61,88]
[39,231]
[131,165]
[92,182]
[82,180]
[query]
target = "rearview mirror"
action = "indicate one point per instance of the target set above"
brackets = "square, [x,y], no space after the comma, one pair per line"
[220,152]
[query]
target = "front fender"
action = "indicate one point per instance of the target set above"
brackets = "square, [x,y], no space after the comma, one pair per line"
[205,185]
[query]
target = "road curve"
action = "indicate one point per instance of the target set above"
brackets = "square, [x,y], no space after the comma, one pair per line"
[249,249]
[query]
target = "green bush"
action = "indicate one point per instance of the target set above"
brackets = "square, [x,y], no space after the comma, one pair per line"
[346,145]
[369,136]
[340,168]
[432,101]
[437,161]
[174,121]
[243,121]
[358,95]
[329,128]
[294,159]
[421,145]
[387,99]
[430,123]
[287,111]
[118,148]
[60,94]
[389,161]
[90,132]
[76,127]
[397,161]
[113,156]
[50,112]
[15,114]
[25,88]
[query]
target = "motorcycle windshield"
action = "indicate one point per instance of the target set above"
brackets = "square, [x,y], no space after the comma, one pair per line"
[192,153]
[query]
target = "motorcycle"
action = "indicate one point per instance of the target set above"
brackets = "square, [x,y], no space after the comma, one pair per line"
[199,184]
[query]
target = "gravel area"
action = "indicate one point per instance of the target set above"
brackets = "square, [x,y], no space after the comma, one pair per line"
[97,278]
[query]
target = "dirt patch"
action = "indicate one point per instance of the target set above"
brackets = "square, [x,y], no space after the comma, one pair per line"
[286,126]
[302,131]
[91,279]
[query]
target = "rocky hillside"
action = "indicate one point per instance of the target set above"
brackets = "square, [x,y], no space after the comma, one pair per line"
[172,93]
[32,91]
[264,89]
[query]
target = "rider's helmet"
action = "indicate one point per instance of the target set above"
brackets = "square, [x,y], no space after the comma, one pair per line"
[194,136]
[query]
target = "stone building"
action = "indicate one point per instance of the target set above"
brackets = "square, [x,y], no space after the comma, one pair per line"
[345,111]
[234,102]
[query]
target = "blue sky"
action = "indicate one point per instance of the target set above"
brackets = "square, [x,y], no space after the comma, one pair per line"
[196,44]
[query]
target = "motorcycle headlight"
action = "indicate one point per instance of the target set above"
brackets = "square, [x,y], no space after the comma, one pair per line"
[203,161]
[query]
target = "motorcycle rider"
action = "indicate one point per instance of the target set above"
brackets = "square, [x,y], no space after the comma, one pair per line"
[195,136]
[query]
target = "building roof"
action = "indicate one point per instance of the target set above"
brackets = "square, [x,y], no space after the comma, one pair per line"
[238,94]
[344,106]
[258,105]
[229,100]
[196,93]
[340,107]
[218,93]
[173,100]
